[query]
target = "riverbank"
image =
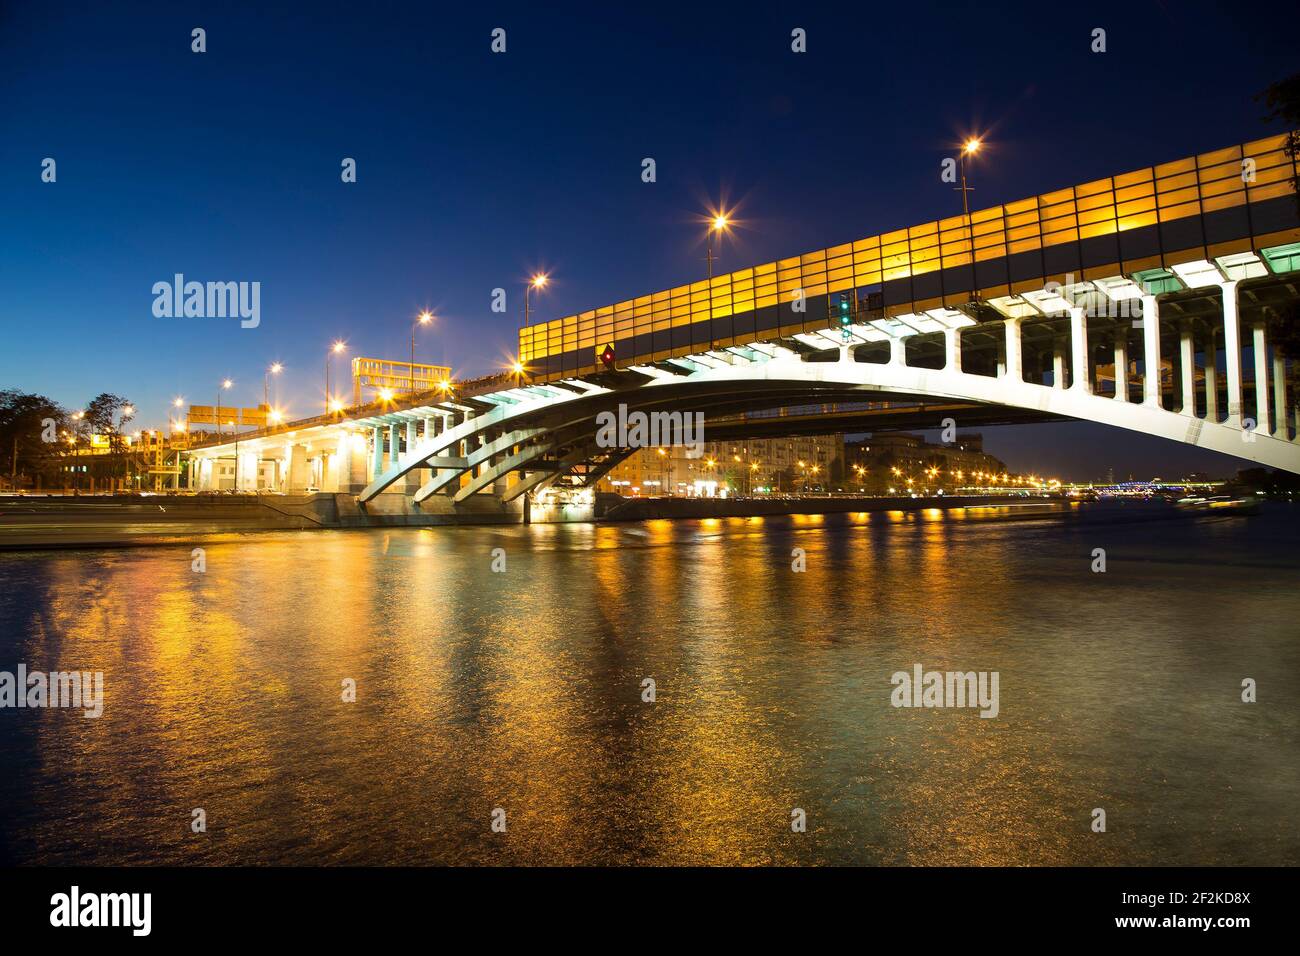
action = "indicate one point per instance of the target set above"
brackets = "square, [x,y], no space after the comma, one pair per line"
[32,522]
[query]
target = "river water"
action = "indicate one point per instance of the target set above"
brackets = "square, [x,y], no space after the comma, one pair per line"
[522,690]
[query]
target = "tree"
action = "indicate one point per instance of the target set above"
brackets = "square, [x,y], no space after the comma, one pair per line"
[31,429]
[1283,102]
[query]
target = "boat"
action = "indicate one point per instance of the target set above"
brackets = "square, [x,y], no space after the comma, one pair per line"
[1220,504]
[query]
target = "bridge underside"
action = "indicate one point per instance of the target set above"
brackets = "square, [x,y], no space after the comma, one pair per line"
[1195,363]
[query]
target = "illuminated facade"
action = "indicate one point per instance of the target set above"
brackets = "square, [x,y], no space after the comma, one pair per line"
[1215,204]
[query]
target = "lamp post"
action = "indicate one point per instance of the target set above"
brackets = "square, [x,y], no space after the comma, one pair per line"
[424,318]
[273,370]
[969,148]
[536,282]
[717,224]
[336,349]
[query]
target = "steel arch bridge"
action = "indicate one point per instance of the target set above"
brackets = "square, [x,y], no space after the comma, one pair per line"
[1073,340]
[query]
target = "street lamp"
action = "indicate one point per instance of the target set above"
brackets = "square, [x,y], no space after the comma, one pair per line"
[336,349]
[969,148]
[424,318]
[273,370]
[718,224]
[537,282]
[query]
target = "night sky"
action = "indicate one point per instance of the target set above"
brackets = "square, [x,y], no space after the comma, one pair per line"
[476,169]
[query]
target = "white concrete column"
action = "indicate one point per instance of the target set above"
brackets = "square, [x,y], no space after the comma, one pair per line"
[342,462]
[394,448]
[1232,352]
[897,351]
[1014,368]
[1121,365]
[1259,347]
[1279,395]
[1211,380]
[428,429]
[1080,355]
[377,457]
[1151,351]
[952,350]
[1058,367]
[1187,366]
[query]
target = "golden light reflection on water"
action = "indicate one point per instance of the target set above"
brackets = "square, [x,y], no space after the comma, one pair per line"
[523,690]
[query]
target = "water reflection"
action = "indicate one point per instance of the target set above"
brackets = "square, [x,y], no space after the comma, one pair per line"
[523,690]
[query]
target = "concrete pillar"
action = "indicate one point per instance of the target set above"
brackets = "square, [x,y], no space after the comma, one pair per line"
[1211,379]
[897,351]
[1232,352]
[377,456]
[1187,368]
[1080,356]
[1121,364]
[1279,395]
[394,449]
[1014,368]
[1058,366]
[341,470]
[1151,351]
[299,470]
[1260,349]
[952,350]
[414,477]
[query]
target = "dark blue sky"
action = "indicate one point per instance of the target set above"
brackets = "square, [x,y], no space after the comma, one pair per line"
[475,169]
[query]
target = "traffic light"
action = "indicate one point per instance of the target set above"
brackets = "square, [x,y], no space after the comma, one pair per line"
[846,317]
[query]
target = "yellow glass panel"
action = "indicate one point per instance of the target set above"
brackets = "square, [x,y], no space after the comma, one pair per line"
[839,284]
[961,259]
[1135,192]
[1275,175]
[1221,187]
[1145,204]
[928,229]
[1171,183]
[1181,211]
[1060,196]
[1257,146]
[992,252]
[1096,215]
[843,250]
[1093,188]
[1021,206]
[1026,245]
[1103,228]
[1064,235]
[1226,201]
[1218,156]
[866,245]
[1138,220]
[866,276]
[1023,232]
[1176,167]
[1130,179]
[1272,190]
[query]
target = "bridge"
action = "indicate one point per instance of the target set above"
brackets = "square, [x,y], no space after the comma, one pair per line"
[1152,301]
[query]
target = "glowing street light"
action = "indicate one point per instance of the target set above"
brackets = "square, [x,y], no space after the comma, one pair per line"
[337,348]
[537,282]
[970,148]
[275,369]
[424,318]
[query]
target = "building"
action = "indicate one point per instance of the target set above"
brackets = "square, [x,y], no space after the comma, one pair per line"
[888,458]
[739,467]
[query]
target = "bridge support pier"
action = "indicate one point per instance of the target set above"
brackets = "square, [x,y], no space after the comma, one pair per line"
[1150,351]
[1232,352]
